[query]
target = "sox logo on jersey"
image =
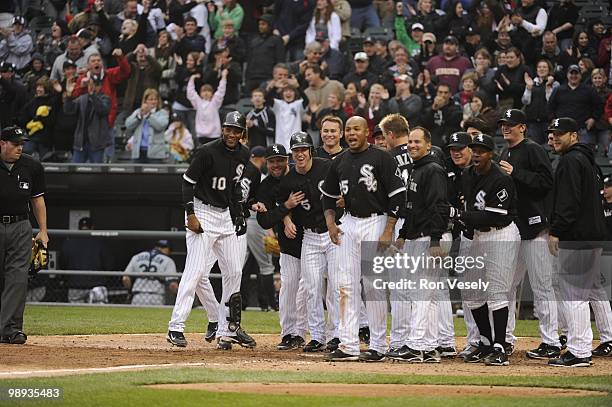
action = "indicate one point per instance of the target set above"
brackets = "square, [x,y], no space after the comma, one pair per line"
[368,177]
[480,200]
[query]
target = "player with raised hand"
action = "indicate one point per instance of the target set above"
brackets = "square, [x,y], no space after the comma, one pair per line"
[371,184]
[207,189]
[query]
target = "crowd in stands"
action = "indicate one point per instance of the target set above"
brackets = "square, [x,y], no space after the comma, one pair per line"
[151,78]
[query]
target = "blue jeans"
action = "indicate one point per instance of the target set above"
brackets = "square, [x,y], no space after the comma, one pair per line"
[88,155]
[364,17]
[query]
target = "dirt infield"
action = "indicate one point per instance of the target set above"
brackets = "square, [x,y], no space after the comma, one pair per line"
[378,390]
[55,355]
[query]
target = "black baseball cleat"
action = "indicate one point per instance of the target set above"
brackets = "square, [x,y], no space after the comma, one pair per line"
[432,356]
[603,350]
[563,341]
[392,353]
[297,341]
[176,338]
[211,332]
[497,357]
[447,351]
[285,343]
[372,355]
[469,348]
[569,360]
[223,344]
[509,349]
[406,354]
[479,354]
[314,346]
[333,344]
[364,335]
[544,351]
[18,338]
[339,356]
[240,338]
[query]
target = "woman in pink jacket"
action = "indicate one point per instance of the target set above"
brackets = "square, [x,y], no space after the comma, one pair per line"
[207,104]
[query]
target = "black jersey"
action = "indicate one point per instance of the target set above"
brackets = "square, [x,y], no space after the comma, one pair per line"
[404,162]
[267,193]
[309,213]
[489,198]
[24,181]
[608,217]
[533,178]
[370,182]
[215,170]
[454,195]
[245,190]
[321,153]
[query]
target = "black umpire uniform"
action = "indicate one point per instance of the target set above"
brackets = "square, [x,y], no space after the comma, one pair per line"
[21,180]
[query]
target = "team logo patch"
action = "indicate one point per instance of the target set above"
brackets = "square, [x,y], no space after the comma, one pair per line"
[556,123]
[454,137]
[368,178]
[480,200]
[24,185]
[480,138]
[508,113]
[275,149]
[502,195]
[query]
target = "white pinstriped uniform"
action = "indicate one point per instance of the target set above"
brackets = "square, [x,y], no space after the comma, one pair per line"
[446,326]
[319,255]
[292,297]
[400,307]
[535,259]
[218,241]
[473,336]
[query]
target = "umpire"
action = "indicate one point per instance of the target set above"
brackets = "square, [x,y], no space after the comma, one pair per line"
[22,183]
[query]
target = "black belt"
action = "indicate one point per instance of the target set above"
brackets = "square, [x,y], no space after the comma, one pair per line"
[488,229]
[12,218]
[316,230]
[367,215]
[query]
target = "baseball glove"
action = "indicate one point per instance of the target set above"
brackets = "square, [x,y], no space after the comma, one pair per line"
[271,245]
[40,257]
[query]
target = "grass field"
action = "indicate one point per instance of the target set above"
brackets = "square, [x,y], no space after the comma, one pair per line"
[126,388]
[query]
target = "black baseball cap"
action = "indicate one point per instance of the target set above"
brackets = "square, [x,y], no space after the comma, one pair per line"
[513,117]
[162,243]
[573,68]
[563,125]
[258,151]
[268,18]
[14,134]
[472,30]
[459,139]
[69,64]
[483,140]
[276,150]
[6,66]
[452,39]
[608,180]
[369,39]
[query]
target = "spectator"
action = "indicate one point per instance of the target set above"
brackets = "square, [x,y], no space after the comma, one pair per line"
[486,19]
[601,130]
[319,88]
[16,44]
[423,13]
[312,56]
[510,80]
[360,74]
[586,67]
[428,50]
[425,88]
[456,21]
[181,105]
[550,49]
[443,117]
[191,41]
[145,73]
[73,53]
[486,74]
[291,19]
[334,103]
[562,18]
[363,14]
[579,102]
[230,10]
[469,85]
[280,78]
[412,42]
[264,52]
[87,45]
[13,95]
[111,79]
[472,42]
[92,134]
[84,253]
[379,138]
[376,64]
[343,9]
[236,45]
[37,70]
[163,52]
[100,38]
[482,108]
[207,105]
[449,66]
[138,14]
[65,123]
[179,140]
[351,99]
[176,9]
[147,125]
[261,120]
[402,66]
[405,102]
[333,62]
[291,108]
[597,32]
[528,23]
[581,48]
[535,100]
[53,44]
[502,42]
[375,108]
[213,73]
[603,56]
[151,290]
[39,119]
[326,23]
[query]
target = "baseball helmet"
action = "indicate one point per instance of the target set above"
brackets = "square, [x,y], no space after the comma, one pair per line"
[235,119]
[300,139]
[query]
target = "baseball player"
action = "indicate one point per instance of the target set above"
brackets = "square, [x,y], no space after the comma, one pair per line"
[425,221]
[577,223]
[151,290]
[207,189]
[529,166]
[371,184]
[489,210]
[331,134]
[460,160]
[292,297]
[319,254]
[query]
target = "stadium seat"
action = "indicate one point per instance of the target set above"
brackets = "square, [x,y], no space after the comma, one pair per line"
[378,32]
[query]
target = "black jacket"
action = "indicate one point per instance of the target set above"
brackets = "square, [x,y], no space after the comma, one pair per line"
[580,104]
[443,122]
[578,213]
[426,212]
[263,53]
[533,178]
